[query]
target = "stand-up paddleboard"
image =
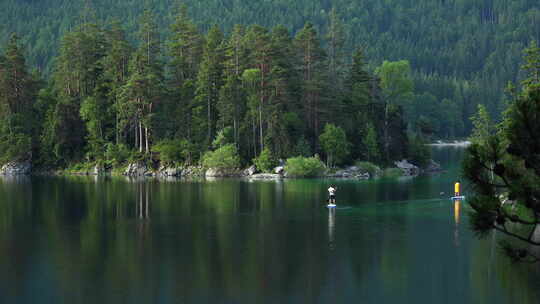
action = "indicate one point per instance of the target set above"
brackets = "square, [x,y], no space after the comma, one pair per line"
[331,206]
[454,198]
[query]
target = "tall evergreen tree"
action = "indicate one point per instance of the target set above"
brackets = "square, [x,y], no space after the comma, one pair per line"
[209,82]
[77,74]
[311,57]
[116,71]
[143,90]
[18,90]
[185,48]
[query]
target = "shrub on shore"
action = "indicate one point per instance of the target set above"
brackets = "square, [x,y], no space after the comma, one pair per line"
[392,172]
[225,157]
[264,162]
[304,167]
[369,167]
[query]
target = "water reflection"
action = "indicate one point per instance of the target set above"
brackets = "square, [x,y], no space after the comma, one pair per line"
[457,213]
[331,224]
[80,240]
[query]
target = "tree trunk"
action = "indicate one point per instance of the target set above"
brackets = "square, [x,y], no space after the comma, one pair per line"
[146,138]
[140,137]
[261,126]
[208,121]
[386,139]
[254,125]
[136,136]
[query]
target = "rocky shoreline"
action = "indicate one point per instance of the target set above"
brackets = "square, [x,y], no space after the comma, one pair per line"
[140,169]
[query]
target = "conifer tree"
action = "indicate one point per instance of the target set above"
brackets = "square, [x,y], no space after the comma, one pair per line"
[311,57]
[18,91]
[209,82]
[185,48]
[144,88]
[502,166]
[116,71]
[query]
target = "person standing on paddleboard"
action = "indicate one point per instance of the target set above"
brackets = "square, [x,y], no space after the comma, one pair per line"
[332,194]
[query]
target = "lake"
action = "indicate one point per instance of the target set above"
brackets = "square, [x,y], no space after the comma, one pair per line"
[114,240]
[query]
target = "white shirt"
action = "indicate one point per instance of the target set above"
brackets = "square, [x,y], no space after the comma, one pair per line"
[332,191]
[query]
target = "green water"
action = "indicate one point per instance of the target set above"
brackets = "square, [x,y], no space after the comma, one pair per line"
[111,240]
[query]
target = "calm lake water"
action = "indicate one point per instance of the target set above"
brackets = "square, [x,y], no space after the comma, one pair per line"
[111,240]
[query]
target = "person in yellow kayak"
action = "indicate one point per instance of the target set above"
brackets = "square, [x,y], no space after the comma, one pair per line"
[457,191]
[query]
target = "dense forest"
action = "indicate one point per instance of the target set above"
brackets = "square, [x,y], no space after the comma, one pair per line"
[225,100]
[462,53]
[352,81]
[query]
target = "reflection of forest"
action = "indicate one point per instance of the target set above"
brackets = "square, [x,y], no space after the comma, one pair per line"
[112,241]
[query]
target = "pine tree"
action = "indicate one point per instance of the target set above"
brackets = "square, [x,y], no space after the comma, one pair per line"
[18,90]
[209,82]
[116,71]
[77,74]
[232,95]
[261,54]
[503,169]
[143,90]
[336,38]
[311,57]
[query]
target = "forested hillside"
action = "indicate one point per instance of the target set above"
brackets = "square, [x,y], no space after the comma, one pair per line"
[461,52]
[348,77]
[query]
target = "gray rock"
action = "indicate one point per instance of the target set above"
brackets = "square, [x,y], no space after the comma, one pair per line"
[16,168]
[347,173]
[192,171]
[136,169]
[170,171]
[214,172]
[98,170]
[265,176]
[250,171]
[279,170]
[407,168]
[432,166]
[536,234]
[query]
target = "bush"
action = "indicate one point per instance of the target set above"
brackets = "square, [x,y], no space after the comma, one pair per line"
[171,151]
[224,137]
[392,172]
[304,167]
[264,162]
[225,157]
[117,154]
[15,147]
[419,152]
[368,167]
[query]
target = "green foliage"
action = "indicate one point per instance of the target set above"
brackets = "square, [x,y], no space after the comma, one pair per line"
[502,167]
[370,143]
[224,137]
[419,153]
[172,151]
[15,147]
[302,148]
[370,168]
[226,157]
[467,62]
[264,87]
[334,143]
[483,127]
[117,154]
[265,162]
[396,81]
[304,167]
[392,173]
